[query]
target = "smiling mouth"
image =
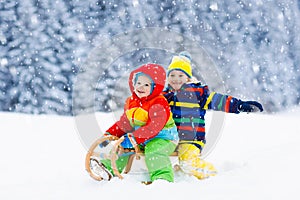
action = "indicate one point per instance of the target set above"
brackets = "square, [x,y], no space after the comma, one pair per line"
[140,91]
[176,83]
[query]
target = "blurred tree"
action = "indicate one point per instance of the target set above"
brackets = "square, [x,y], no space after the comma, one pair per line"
[43,43]
[39,43]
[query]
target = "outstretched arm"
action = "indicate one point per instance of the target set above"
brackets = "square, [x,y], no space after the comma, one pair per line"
[226,103]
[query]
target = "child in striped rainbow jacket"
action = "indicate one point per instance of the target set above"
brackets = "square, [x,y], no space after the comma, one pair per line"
[189,100]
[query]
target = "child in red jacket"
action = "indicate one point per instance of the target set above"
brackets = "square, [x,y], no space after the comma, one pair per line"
[148,120]
[189,101]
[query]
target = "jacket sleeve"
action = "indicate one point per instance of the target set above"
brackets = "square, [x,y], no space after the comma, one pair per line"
[159,114]
[122,126]
[168,95]
[221,102]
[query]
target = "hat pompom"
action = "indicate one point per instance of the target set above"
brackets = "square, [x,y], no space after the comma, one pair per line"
[186,55]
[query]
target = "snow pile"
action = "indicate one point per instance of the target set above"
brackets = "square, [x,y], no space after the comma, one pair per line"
[256,157]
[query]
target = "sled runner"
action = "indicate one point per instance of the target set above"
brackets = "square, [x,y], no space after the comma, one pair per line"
[116,150]
[92,157]
[96,169]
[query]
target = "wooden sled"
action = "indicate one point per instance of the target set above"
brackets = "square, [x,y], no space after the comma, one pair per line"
[116,150]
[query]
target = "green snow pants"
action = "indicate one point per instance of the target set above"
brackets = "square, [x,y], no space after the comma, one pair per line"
[157,160]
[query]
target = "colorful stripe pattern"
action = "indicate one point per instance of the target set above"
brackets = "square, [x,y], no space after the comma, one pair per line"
[189,106]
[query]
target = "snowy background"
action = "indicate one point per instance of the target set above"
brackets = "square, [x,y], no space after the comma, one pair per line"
[46,46]
[257,158]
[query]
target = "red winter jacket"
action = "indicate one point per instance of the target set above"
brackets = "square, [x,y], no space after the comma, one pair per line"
[150,116]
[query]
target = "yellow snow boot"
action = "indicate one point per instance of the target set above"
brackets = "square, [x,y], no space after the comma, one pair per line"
[191,163]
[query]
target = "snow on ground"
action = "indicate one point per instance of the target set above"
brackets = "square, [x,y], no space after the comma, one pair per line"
[257,158]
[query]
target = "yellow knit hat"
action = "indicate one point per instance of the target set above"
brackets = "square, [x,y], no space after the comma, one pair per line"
[181,62]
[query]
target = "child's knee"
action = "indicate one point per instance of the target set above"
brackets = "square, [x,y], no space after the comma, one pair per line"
[187,151]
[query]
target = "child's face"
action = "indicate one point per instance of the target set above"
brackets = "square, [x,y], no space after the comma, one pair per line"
[177,78]
[142,87]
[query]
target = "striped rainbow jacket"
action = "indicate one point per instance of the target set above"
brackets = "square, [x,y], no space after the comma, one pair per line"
[189,105]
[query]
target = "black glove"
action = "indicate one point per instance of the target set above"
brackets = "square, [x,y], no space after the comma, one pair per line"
[250,106]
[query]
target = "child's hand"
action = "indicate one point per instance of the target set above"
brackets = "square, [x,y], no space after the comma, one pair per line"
[250,106]
[132,139]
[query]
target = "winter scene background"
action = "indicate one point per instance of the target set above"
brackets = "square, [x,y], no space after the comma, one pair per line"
[64,59]
[45,45]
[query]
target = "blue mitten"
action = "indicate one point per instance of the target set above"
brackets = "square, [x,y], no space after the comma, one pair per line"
[106,142]
[250,106]
[129,141]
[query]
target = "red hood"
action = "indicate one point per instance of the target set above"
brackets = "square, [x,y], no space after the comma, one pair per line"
[157,74]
